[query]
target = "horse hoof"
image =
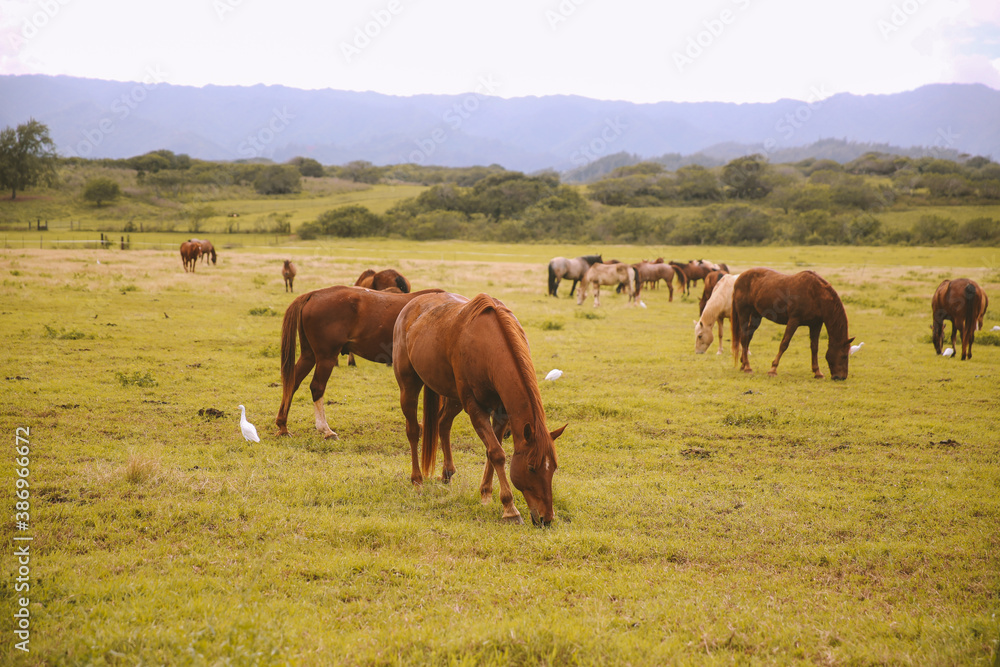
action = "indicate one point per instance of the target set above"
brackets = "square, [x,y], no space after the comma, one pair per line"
[283,433]
[819,376]
[446,475]
[331,436]
[772,373]
[516,519]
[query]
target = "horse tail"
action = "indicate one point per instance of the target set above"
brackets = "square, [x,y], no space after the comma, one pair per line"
[971,314]
[432,405]
[291,328]
[552,280]
[734,330]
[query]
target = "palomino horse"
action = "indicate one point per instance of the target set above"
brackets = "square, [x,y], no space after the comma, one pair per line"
[570,269]
[964,303]
[606,274]
[710,280]
[718,308]
[386,279]
[697,270]
[288,273]
[650,273]
[190,252]
[207,249]
[474,354]
[804,299]
[328,322]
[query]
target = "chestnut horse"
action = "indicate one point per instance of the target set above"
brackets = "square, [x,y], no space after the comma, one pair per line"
[474,354]
[288,273]
[607,274]
[190,252]
[719,307]
[383,280]
[964,303]
[329,322]
[570,269]
[804,299]
[387,280]
[207,249]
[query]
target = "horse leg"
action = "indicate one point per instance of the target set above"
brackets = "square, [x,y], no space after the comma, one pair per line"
[582,294]
[746,335]
[500,422]
[670,287]
[350,360]
[318,387]
[304,364]
[954,328]
[785,340]
[497,457]
[937,330]
[597,295]
[449,410]
[573,286]
[814,332]
[410,385]
[718,321]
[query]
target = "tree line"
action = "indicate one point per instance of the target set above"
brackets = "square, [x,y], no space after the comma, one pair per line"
[747,200]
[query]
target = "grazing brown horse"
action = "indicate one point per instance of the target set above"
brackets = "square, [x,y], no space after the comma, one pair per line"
[383,280]
[387,280]
[964,303]
[804,299]
[474,354]
[207,249]
[711,279]
[328,322]
[697,270]
[288,273]
[190,252]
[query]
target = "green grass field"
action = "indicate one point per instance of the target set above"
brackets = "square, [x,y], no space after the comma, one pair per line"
[703,516]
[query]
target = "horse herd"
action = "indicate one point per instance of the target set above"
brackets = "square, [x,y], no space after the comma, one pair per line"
[472,354]
[803,299]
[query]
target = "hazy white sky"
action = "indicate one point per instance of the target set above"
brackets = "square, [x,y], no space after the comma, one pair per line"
[721,50]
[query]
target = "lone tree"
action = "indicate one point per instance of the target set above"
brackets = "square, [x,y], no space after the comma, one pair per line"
[100,190]
[27,156]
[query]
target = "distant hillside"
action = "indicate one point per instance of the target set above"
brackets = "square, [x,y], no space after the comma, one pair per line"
[93,118]
[838,150]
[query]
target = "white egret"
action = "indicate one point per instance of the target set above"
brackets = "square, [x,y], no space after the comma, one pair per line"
[948,352]
[554,374]
[855,348]
[248,429]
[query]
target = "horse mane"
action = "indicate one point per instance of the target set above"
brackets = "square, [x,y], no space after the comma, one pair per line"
[836,325]
[591,259]
[518,346]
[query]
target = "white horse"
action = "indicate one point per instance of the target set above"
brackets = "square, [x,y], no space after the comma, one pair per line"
[607,274]
[718,308]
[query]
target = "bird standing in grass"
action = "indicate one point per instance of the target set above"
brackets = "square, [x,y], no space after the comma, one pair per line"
[248,429]
[855,348]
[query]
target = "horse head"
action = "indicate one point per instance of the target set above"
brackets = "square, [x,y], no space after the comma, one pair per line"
[836,358]
[702,337]
[531,468]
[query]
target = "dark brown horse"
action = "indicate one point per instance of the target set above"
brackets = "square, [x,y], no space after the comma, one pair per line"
[190,252]
[383,280]
[804,299]
[964,303]
[288,273]
[697,270]
[711,279]
[329,322]
[207,249]
[474,354]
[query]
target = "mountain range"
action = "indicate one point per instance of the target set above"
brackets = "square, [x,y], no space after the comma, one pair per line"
[97,119]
